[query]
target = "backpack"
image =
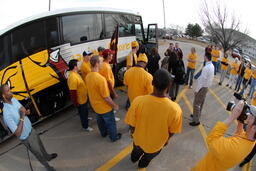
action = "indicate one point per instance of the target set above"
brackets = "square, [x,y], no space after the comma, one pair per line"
[180,74]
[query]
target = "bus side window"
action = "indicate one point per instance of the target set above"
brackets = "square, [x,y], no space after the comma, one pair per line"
[52,33]
[28,39]
[5,57]
[81,27]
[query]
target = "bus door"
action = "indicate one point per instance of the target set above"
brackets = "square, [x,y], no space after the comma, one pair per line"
[151,38]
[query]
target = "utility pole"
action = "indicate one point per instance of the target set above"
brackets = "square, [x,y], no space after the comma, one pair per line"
[164,15]
[49,5]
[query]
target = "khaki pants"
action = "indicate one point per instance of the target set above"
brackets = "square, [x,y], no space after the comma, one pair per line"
[198,103]
[35,145]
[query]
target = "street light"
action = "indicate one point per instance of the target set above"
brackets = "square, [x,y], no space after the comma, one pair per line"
[49,5]
[164,14]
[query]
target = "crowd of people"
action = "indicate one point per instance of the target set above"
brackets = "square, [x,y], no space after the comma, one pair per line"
[152,115]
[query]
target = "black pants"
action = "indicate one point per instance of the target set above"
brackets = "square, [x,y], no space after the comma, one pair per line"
[250,156]
[144,158]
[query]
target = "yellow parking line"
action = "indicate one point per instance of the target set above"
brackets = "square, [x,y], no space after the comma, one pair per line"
[112,162]
[200,127]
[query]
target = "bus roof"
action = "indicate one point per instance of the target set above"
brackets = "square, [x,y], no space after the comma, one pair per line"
[64,11]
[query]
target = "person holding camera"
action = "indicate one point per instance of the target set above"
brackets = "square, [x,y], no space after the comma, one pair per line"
[226,152]
[15,117]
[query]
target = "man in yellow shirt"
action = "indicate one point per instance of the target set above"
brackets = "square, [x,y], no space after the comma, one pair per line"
[101,101]
[215,57]
[247,77]
[138,80]
[100,51]
[192,57]
[253,83]
[131,59]
[233,74]
[106,71]
[226,152]
[153,119]
[86,66]
[78,93]
[224,68]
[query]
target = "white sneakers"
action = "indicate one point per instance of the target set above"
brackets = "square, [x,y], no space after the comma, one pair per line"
[117,119]
[89,129]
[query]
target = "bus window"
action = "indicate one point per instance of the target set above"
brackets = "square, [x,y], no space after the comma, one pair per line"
[83,27]
[5,57]
[125,22]
[28,40]
[138,32]
[52,34]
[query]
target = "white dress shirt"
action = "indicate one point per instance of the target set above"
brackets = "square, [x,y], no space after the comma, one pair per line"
[206,77]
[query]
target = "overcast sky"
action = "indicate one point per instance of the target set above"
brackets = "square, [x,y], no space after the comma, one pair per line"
[178,12]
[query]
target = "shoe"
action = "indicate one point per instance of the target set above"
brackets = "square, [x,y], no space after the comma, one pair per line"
[117,119]
[173,98]
[227,85]
[89,129]
[191,115]
[89,118]
[53,156]
[194,124]
[242,164]
[50,168]
[220,84]
[119,136]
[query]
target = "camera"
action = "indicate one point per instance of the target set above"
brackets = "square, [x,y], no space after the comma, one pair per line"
[247,109]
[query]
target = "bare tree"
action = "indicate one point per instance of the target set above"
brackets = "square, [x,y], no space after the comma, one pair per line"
[223,28]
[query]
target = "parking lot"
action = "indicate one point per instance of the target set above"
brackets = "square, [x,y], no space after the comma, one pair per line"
[79,151]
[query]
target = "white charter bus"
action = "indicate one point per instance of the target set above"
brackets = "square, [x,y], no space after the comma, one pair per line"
[35,51]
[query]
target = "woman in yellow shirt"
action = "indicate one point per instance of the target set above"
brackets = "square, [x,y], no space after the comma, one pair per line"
[192,57]
[233,74]
[224,68]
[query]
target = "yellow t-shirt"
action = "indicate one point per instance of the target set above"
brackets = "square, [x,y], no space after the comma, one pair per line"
[215,55]
[253,102]
[247,73]
[221,148]
[254,74]
[129,59]
[106,71]
[85,69]
[234,68]
[191,56]
[153,118]
[138,81]
[75,82]
[97,91]
[224,67]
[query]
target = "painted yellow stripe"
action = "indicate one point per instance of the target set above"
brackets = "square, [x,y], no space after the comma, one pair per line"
[200,127]
[181,94]
[112,162]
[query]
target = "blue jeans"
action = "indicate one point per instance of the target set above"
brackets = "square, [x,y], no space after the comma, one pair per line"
[190,76]
[238,82]
[218,66]
[253,84]
[107,125]
[83,113]
[215,67]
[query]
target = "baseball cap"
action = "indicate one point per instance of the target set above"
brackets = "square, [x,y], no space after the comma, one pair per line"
[135,44]
[86,53]
[100,48]
[106,52]
[142,58]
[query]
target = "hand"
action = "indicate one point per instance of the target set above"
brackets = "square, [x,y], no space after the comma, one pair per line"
[28,112]
[116,95]
[22,112]
[116,107]
[236,112]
